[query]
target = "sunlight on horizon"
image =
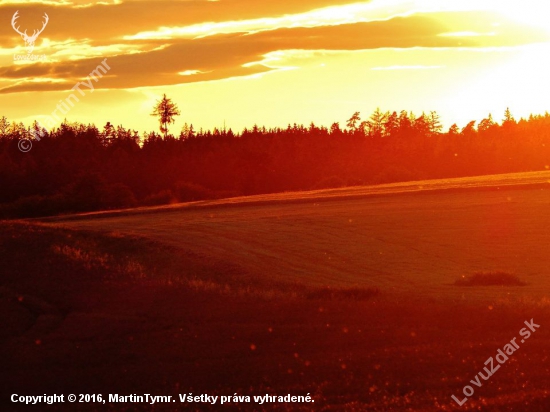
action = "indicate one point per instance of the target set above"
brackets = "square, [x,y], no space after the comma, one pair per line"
[319,64]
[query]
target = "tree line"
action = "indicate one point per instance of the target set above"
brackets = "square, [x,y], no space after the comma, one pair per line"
[79,168]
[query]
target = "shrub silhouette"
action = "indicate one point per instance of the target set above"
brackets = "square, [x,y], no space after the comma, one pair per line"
[496,278]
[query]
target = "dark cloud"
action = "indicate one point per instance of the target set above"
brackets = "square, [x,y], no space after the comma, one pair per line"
[223,56]
[109,22]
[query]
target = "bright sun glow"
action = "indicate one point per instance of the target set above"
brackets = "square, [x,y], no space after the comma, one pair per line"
[332,59]
[532,13]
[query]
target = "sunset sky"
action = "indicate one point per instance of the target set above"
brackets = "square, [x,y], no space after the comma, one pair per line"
[275,62]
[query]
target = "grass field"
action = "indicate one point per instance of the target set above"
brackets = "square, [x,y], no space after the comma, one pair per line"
[401,242]
[347,294]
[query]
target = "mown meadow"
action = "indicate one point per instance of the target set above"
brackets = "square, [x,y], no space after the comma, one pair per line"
[353,296]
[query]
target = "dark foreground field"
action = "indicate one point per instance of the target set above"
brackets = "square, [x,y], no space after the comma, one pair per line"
[352,301]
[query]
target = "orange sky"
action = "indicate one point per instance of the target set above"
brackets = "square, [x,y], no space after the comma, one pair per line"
[275,62]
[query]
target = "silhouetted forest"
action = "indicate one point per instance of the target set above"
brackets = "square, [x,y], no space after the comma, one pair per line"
[78,168]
